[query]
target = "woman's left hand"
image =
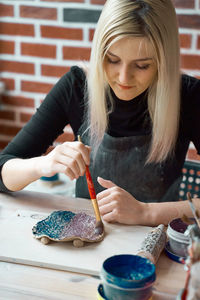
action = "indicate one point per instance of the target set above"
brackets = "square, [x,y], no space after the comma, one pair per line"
[117,205]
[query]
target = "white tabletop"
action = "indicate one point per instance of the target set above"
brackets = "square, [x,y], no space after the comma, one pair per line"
[18,281]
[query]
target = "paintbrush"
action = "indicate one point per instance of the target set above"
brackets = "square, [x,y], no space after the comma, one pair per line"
[99,223]
[187,220]
[194,210]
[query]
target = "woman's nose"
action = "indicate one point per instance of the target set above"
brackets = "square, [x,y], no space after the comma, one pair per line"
[125,75]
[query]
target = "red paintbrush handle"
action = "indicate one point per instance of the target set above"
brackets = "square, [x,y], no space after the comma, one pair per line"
[90,183]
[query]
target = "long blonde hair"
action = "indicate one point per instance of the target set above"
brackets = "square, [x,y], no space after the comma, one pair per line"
[156,20]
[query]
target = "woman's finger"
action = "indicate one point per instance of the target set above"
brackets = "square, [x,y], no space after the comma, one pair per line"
[110,217]
[104,198]
[73,158]
[82,149]
[76,163]
[109,185]
[114,191]
[107,207]
[60,168]
[105,183]
[69,163]
[70,173]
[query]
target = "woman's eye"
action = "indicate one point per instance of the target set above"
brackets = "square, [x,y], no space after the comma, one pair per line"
[143,67]
[112,61]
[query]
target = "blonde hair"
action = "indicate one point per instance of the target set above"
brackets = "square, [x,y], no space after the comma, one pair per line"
[155,20]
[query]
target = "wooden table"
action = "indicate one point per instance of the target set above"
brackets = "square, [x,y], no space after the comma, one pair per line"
[19,281]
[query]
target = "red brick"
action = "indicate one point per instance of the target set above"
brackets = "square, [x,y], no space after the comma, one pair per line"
[189,21]
[16,67]
[65,137]
[191,62]
[17,101]
[49,149]
[184,3]
[39,50]
[7,47]
[6,10]
[192,154]
[9,130]
[36,87]
[25,117]
[3,144]
[7,115]
[76,53]
[17,29]
[9,83]
[91,34]
[56,32]
[198,42]
[98,1]
[55,71]
[68,135]
[37,12]
[185,40]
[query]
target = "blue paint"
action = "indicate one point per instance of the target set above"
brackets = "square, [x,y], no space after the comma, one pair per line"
[53,225]
[127,277]
[51,178]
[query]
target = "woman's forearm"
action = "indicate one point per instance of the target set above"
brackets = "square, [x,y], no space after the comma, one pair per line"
[163,213]
[18,173]
[69,158]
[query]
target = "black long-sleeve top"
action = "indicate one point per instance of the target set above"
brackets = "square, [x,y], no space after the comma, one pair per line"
[65,105]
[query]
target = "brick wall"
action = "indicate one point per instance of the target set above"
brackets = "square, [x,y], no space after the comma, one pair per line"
[41,39]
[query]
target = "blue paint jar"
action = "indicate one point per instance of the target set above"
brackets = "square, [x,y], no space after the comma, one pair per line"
[128,277]
[51,178]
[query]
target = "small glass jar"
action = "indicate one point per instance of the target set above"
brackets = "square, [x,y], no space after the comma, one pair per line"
[178,241]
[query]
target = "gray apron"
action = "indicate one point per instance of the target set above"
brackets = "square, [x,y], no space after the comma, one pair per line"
[122,160]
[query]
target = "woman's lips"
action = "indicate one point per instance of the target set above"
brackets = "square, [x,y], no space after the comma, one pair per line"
[124,87]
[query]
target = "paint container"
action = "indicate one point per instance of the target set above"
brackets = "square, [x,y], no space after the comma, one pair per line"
[100,293]
[178,242]
[127,277]
[51,178]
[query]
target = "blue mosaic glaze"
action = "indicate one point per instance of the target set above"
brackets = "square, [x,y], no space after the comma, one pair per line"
[53,225]
[64,225]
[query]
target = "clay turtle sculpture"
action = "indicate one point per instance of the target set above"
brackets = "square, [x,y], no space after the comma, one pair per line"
[61,226]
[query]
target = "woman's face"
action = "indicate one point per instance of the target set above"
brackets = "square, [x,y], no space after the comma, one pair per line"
[130,67]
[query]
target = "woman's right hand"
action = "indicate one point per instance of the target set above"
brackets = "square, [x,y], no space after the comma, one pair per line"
[69,158]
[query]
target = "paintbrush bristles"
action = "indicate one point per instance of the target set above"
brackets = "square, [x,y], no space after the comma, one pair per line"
[189,197]
[186,220]
[99,228]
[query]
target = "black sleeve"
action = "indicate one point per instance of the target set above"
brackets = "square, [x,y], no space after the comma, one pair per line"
[191,107]
[63,105]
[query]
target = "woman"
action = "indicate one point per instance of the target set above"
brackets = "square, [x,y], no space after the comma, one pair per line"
[134,110]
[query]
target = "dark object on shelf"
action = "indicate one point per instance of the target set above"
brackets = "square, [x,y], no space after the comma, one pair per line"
[191,180]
